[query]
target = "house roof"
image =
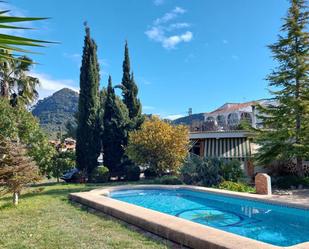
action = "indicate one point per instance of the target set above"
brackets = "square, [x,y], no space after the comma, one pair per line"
[231,107]
[219,134]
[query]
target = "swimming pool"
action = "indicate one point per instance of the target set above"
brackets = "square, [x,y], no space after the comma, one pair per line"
[273,224]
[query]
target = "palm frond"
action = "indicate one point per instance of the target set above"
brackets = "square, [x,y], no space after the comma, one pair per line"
[14,43]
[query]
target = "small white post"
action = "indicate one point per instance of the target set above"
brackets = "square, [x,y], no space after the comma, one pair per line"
[15,198]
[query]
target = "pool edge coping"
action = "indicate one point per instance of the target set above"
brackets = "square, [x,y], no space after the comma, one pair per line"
[249,196]
[171,227]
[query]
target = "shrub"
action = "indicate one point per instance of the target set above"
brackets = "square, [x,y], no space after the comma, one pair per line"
[236,186]
[201,171]
[168,180]
[150,173]
[287,182]
[231,170]
[100,175]
[160,145]
[62,162]
[17,169]
[132,172]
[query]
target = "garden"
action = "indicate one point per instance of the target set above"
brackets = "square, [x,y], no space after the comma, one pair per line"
[36,177]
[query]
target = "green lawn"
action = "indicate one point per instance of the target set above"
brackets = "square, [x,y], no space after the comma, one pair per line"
[46,219]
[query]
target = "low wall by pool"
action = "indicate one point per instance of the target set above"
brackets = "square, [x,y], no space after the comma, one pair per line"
[176,229]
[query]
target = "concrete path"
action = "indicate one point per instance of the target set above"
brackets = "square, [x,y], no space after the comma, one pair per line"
[299,196]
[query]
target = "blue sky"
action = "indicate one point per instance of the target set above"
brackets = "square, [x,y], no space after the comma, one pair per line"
[184,53]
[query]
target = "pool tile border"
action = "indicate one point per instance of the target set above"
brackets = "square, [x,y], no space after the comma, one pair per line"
[174,228]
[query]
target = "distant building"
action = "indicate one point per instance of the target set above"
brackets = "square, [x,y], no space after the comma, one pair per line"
[218,135]
[69,144]
[229,116]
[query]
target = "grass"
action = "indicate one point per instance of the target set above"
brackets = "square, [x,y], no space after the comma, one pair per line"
[46,219]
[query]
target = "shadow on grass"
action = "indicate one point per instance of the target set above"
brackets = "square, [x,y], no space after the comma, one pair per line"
[42,190]
[8,205]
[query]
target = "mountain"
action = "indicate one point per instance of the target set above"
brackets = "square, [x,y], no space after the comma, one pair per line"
[55,111]
[187,120]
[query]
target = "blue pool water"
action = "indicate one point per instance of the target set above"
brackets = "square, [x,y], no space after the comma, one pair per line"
[272,224]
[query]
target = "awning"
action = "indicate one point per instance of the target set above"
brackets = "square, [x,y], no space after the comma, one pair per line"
[192,143]
[227,148]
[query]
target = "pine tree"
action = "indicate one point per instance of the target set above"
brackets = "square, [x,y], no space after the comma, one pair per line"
[285,136]
[17,170]
[115,122]
[130,92]
[87,134]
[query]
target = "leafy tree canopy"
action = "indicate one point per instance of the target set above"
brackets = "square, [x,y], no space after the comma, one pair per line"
[16,123]
[159,145]
[115,122]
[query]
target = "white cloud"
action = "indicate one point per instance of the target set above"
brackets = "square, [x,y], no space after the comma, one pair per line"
[179,25]
[48,85]
[186,37]
[172,41]
[158,2]
[155,33]
[179,10]
[160,31]
[170,15]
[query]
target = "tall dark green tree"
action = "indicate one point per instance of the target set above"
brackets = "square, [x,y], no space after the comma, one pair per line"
[285,134]
[87,134]
[115,122]
[103,96]
[130,92]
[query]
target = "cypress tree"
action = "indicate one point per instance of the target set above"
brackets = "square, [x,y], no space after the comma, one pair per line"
[87,134]
[115,122]
[103,96]
[286,124]
[130,92]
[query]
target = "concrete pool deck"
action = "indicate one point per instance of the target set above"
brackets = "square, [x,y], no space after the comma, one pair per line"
[298,196]
[181,231]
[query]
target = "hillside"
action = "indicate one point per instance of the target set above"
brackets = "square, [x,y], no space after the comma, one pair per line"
[187,120]
[56,110]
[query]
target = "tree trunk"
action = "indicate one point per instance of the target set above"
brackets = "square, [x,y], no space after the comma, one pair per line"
[4,89]
[15,198]
[299,167]
[299,160]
